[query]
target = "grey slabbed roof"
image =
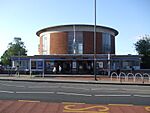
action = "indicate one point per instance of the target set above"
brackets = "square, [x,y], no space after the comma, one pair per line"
[53,28]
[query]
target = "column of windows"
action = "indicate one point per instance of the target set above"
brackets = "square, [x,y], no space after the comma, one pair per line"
[45,49]
[106,42]
[75,47]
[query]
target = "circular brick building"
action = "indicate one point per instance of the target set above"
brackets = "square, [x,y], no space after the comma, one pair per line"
[70,49]
[76,39]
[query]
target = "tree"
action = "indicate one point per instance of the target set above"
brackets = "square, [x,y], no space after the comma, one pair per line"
[142,46]
[15,48]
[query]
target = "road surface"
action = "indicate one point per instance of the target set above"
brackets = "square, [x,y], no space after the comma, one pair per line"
[78,93]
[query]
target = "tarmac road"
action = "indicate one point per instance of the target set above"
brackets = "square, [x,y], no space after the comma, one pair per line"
[69,92]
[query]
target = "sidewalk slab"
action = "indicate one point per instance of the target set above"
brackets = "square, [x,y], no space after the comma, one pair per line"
[81,80]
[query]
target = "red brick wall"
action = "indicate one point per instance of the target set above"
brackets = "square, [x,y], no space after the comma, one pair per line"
[88,46]
[88,43]
[112,44]
[59,43]
[99,43]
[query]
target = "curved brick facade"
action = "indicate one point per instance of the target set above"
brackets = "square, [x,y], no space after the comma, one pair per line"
[58,39]
[89,43]
[59,43]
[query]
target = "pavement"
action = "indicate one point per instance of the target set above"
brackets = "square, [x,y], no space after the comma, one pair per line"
[85,79]
[31,106]
[27,106]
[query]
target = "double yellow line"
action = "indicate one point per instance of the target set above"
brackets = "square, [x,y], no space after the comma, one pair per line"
[27,101]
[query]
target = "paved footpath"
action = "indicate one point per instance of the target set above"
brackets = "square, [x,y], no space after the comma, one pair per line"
[27,106]
[75,79]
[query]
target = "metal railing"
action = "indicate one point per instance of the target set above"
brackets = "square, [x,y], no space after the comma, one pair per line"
[127,77]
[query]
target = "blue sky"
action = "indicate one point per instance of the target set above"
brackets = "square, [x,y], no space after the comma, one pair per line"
[22,18]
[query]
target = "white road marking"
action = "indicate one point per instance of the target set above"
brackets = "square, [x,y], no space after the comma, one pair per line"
[142,96]
[115,95]
[6,92]
[77,94]
[43,87]
[11,85]
[36,92]
[141,90]
[111,89]
[67,87]
[20,86]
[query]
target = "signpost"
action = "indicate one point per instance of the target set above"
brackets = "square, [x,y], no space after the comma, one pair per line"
[109,64]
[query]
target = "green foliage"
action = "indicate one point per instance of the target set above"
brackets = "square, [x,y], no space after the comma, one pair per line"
[145,64]
[15,48]
[142,46]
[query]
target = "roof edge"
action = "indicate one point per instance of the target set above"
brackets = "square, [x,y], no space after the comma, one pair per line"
[45,29]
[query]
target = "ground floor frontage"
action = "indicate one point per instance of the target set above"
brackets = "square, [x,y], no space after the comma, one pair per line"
[75,64]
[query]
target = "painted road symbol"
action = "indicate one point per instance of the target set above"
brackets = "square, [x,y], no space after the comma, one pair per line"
[86,108]
[26,106]
[147,108]
[89,109]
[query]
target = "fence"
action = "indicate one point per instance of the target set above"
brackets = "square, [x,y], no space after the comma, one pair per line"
[128,77]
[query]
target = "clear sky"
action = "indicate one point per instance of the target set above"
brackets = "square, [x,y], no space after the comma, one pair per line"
[23,18]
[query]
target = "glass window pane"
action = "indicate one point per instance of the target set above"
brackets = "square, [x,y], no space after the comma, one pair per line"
[106,37]
[75,44]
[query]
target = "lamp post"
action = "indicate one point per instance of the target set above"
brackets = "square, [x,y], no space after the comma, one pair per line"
[95,40]
[18,66]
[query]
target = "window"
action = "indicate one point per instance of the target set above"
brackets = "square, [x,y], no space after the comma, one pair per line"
[80,48]
[75,45]
[44,45]
[70,43]
[106,38]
